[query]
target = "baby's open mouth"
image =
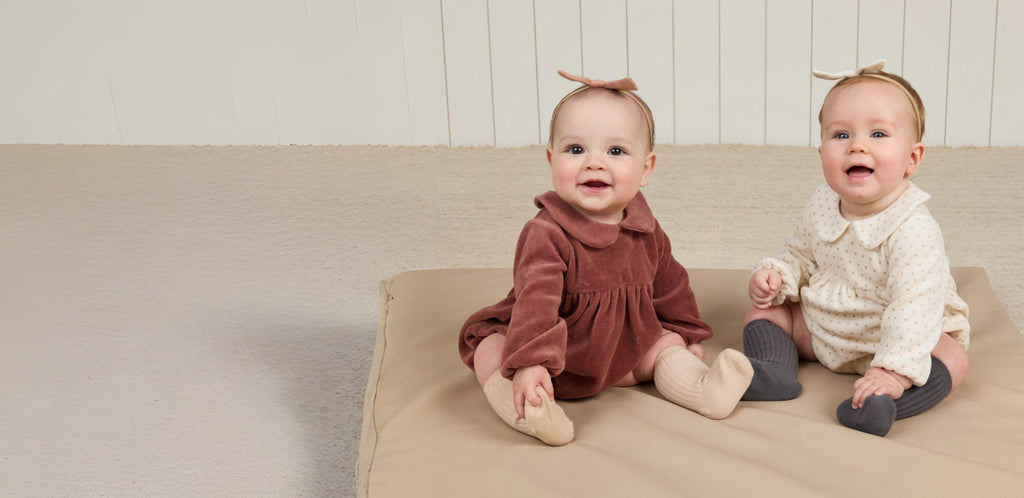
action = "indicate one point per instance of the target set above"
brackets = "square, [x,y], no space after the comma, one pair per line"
[859,171]
[594,184]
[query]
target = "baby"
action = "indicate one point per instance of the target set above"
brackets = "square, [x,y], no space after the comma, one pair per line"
[863,284]
[598,299]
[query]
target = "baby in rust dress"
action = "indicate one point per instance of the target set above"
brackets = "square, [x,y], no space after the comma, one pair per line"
[598,299]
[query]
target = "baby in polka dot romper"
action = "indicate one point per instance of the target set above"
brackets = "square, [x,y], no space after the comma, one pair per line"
[863,284]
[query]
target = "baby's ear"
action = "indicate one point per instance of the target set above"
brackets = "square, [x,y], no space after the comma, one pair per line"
[648,167]
[916,155]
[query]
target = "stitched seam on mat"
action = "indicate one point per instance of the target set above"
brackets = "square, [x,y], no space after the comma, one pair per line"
[365,464]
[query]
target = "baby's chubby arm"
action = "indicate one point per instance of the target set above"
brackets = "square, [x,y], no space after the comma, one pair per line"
[764,287]
[877,381]
[524,387]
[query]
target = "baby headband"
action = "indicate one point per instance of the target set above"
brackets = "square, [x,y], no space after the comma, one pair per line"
[625,86]
[873,70]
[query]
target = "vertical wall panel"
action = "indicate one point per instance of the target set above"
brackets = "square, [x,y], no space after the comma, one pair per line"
[787,72]
[248,31]
[696,72]
[469,75]
[650,62]
[1008,111]
[43,47]
[557,23]
[880,34]
[169,88]
[603,24]
[925,60]
[743,63]
[514,70]
[971,44]
[382,72]
[423,48]
[482,72]
[314,61]
[834,49]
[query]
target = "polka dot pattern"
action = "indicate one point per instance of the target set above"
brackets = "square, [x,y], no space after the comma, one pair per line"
[875,292]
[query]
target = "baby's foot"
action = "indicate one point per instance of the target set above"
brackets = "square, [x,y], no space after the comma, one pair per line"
[725,383]
[546,422]
[875,416]
[713,392]
[774,358]
[769,384]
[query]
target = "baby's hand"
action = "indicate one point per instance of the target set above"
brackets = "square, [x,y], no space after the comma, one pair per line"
[764,286]
[524,387]
[878,381]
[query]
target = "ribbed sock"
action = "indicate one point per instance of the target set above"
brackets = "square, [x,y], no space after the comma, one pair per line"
[774,358]
[546,422]
[713,392]
[875,416]
[919,399]
[879,412]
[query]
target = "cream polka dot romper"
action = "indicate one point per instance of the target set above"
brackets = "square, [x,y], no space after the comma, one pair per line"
[875,292]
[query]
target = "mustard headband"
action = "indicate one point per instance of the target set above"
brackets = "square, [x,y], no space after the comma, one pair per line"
[625,86]
[873,70]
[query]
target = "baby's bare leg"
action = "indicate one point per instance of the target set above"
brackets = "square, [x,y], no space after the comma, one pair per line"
[953,356]
[487,357]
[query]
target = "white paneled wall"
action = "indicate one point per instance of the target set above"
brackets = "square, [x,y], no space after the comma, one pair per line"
[482,72]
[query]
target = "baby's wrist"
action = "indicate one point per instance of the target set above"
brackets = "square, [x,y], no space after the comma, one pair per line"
[902,379]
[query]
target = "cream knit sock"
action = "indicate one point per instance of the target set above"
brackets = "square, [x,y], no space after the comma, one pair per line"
[546,422]
[713,392]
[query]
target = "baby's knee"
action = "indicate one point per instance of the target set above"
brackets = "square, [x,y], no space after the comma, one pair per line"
[953,356]
[779,315]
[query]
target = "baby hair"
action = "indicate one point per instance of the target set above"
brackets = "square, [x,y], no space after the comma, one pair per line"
[915,99]
[586,88]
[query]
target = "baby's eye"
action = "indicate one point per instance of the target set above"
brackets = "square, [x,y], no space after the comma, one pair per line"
[575,149]
[841,135]
[878,134]
[616,151]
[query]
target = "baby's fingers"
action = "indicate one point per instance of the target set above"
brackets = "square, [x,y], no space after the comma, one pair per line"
[861,391]
[532,397]
[518,398]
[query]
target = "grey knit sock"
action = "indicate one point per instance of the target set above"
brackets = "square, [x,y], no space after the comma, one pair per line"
[919,399]
[875,416]
[773,355]
[879,412]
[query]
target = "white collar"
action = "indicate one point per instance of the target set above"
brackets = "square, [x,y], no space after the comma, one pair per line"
[871,232]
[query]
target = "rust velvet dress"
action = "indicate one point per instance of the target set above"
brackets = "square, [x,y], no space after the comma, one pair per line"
[589,299]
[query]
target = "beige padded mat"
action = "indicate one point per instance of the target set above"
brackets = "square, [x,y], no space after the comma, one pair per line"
[428,431]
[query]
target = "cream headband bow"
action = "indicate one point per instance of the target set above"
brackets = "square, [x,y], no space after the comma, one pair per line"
[874,67]
[873,70]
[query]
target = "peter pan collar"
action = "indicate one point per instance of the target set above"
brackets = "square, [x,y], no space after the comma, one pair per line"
[638,218]
[871,232]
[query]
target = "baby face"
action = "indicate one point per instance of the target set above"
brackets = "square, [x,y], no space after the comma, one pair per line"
[869,146]
[599,154]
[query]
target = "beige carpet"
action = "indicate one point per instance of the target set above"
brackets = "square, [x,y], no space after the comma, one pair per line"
[183,321]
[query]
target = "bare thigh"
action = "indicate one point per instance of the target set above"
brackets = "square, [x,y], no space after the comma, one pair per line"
[790,318]
[644,371]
